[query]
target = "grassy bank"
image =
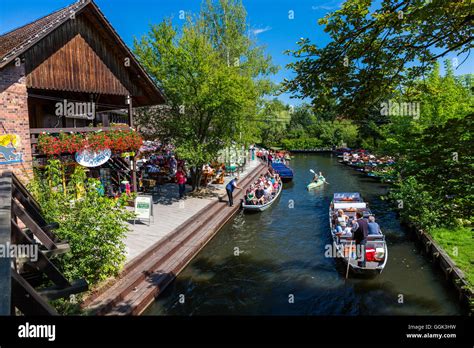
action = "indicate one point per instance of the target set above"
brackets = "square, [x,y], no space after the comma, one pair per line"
[459,244]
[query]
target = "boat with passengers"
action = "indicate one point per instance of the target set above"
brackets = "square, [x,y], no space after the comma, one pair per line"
[376,252]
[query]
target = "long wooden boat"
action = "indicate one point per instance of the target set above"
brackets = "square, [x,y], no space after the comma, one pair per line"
[262,207]
[344,247]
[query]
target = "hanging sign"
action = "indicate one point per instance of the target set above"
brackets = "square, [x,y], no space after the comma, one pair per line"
[9,153]
[88,158]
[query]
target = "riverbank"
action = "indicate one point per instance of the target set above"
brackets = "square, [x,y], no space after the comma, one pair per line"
[161,251]
[451,252]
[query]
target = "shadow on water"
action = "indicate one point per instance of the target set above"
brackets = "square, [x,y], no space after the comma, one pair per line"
[259,288]
[281,259]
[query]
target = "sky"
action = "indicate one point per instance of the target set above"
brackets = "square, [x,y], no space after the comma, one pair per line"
[270,21]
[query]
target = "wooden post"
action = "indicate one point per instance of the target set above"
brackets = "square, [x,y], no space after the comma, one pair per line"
[5,240]
[132,158]
[130,112]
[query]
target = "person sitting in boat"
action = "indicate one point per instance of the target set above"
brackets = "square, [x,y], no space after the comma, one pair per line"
[316,177]
[250,195]
[267,192]
[341,221]
[374,228]
[275,185]
[260,194]
[347,232]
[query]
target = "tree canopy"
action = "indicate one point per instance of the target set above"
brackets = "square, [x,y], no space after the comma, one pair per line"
[372,53]
[213,77]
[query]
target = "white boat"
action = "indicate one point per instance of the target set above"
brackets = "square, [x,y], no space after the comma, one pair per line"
[262,207]
[344,247]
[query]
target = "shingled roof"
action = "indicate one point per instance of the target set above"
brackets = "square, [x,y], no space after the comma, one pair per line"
[18,41]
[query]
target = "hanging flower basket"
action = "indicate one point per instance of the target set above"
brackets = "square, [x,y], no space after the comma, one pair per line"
[117,141]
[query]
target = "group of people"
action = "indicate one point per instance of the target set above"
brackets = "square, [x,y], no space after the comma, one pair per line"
[270,156]
[263,190]
[364,158]
[358,229]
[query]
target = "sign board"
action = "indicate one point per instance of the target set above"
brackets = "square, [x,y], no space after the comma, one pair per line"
[143,208]
[88,158]
[345,205]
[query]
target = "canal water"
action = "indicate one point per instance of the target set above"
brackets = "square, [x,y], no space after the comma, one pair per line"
[273,263]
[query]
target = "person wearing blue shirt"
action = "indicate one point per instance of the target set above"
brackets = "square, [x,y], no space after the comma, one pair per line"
[374,228]
[230,189]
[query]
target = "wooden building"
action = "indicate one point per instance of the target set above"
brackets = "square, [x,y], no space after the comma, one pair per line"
[70,56]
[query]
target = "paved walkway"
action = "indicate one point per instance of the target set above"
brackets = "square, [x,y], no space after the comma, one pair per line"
[170,212]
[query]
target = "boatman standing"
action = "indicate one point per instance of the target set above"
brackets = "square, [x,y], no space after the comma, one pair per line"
[230,190]
[360,230]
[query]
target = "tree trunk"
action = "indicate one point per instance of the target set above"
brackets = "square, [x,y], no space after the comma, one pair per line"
[196,174]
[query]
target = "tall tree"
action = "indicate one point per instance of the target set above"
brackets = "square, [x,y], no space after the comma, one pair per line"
[207,99]
[224,22]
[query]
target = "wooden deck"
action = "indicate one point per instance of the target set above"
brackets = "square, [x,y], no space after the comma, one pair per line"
[151,270]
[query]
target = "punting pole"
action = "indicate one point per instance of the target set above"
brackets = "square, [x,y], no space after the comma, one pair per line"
[349,259]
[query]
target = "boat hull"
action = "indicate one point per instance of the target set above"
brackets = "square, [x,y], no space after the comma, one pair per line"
[262,207]
[314,185]
[372,268]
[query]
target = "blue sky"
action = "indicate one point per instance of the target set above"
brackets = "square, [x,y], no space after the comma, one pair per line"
[269,19]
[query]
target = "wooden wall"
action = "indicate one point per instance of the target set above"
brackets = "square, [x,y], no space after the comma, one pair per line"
[80,56]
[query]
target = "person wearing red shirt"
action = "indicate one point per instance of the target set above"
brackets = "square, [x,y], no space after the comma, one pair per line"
[181,180]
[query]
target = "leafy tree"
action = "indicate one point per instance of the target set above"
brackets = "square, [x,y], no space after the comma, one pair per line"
[440,98]
[207,99]
[214,77]
[436,172]
[273,119]
[372,53]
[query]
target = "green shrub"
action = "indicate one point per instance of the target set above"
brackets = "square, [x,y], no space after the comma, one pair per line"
[95,226]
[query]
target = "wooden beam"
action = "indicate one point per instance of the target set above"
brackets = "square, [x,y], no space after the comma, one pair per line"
[132,159]
[42,263]
[43,237]
[27,300]
[54,293]
[5,240]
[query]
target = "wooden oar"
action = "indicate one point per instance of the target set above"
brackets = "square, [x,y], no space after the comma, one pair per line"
[349,259]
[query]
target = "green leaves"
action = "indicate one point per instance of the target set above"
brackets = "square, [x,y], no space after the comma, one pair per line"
[372,53]
[95,226]
[213,76]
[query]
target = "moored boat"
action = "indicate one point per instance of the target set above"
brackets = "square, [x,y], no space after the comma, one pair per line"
[285,172]
[265,206]
[376,252]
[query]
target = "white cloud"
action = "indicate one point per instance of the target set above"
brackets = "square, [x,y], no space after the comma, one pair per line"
[260,30]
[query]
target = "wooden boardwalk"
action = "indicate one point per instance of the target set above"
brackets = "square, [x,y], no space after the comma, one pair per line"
[169,213]
[164,255]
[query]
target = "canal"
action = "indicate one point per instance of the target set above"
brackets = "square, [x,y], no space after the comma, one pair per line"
[272,263]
